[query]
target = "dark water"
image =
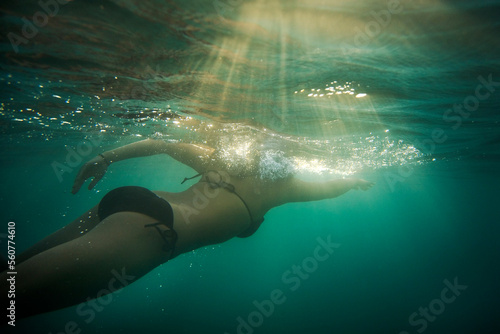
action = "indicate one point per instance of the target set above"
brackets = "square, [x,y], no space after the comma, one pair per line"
[406,94]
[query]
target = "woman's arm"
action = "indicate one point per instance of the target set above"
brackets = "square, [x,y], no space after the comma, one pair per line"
[193,155]
[296,190]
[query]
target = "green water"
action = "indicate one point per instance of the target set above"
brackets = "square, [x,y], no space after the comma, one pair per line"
[406,107]
[395,247]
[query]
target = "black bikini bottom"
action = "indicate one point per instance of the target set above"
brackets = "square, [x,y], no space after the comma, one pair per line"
[141,200]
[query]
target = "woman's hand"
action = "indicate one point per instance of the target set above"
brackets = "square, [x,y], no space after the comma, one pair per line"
[95,168]
[363,184]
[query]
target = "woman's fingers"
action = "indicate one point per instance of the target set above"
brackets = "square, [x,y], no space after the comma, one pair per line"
[367,185]
[96,179]
[95,170]
[79,180]
[364,185]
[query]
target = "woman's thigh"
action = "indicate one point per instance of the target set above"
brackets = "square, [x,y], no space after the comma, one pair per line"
[77,228]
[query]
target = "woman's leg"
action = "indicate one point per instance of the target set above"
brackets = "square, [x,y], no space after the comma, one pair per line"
[73,230]
[118,251]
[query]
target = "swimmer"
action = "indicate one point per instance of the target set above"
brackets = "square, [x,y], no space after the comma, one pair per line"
[133,230]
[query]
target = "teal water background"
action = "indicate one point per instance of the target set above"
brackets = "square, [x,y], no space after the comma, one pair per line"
[116,72]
